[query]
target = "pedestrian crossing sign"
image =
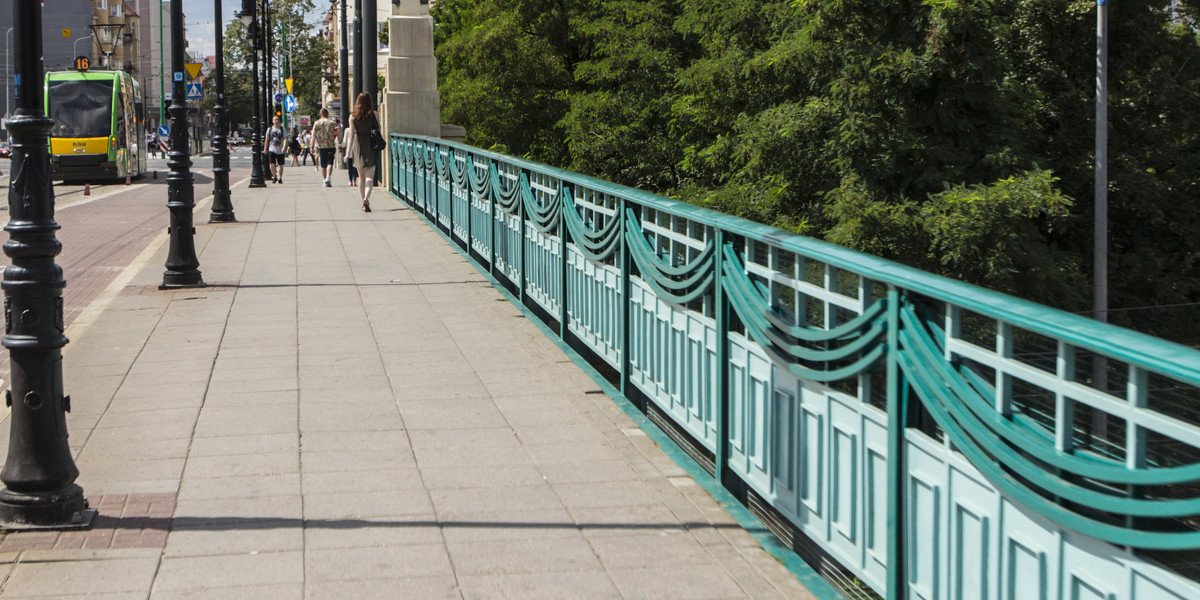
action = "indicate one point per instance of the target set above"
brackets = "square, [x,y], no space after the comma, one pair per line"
[193,91]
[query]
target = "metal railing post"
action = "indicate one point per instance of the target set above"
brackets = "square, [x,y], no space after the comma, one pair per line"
[895,459]
[625,300]
[563,236]
[721,312]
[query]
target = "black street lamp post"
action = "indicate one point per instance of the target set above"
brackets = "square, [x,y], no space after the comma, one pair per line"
[222,207]
[343,68]
[264,39]
[358,46]
[39,474]
[182,265]
[256,161]
[370,50]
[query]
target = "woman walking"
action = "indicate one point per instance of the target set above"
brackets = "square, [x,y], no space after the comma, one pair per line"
[362,122]
[306,149]
[294,147]
[346,158]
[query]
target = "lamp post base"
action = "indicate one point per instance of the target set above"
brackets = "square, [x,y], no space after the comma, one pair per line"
[186,279]
[223,217]
[60,509]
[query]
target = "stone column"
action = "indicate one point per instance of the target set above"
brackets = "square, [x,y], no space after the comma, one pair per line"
[412,103]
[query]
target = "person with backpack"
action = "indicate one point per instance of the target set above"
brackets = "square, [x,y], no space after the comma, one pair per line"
[294,146]
[274,146]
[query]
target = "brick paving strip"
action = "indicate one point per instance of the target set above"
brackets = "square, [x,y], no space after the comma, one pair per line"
[124,521]
[354,412]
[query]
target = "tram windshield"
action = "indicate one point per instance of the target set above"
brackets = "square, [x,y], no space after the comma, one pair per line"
[81,109]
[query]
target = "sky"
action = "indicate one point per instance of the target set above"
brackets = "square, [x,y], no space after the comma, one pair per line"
[198,14]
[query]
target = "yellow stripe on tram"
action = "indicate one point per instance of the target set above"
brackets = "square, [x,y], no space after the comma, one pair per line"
[61,146]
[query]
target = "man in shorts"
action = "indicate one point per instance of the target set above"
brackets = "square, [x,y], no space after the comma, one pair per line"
[275,146]
[325,135]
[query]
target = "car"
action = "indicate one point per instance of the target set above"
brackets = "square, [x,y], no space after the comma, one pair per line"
[5,150]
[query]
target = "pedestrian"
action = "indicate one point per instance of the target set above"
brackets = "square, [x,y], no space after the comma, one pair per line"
[306,145]
[362,123]
[349,160]
[274,147]
[325,138]
[294,146]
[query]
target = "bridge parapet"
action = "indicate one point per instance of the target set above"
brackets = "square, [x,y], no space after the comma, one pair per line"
[934,439]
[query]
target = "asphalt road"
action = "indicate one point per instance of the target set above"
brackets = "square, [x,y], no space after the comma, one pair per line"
[70,195]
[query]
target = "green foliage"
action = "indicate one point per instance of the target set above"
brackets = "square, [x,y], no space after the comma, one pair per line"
[997,234]
[309,54]
[618,120]
[504,66]
[955,136]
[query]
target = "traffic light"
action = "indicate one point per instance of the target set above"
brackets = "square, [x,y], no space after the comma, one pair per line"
[279,110]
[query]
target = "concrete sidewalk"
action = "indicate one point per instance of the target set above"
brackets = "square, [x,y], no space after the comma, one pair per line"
[350,410]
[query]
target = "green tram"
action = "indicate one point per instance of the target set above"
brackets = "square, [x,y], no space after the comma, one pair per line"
[99,124]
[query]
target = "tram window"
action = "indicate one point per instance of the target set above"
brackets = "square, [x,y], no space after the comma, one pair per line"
[81,109]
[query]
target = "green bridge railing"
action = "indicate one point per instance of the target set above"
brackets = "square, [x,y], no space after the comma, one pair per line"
[917,436]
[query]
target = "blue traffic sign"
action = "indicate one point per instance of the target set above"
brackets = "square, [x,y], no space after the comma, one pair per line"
[194,91]
[279,97]
[164,131]
[289,103]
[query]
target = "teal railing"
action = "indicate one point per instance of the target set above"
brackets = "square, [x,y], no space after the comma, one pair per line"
[934,439]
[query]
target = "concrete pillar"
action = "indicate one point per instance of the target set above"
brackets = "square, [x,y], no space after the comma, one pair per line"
[410,8]
[412,104]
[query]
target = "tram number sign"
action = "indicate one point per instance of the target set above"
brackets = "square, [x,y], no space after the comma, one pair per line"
[82,63]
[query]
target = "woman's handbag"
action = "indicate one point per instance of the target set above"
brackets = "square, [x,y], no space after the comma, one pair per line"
[377,143]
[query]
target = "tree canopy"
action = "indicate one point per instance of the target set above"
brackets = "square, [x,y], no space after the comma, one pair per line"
[951,135]
[309,55]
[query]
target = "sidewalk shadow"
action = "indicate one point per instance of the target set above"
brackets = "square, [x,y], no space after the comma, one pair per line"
[264,523]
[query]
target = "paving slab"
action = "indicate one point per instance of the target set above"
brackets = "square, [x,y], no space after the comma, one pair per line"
[351,410]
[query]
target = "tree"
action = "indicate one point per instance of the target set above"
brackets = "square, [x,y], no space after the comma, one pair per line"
[618,117]
[504,68]
[918,130]
[310,54]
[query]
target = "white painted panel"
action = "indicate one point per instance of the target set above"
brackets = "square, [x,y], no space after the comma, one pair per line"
[1027,571]
[812,459]
[969,545]
[922,533]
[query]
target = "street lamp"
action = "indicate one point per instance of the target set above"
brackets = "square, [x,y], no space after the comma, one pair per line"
[222,208]
[343,68]
[39,473]
[370,49]
[75,46]
[7,74]
[182,265]
[358,46]
[264,58]
[247,17]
